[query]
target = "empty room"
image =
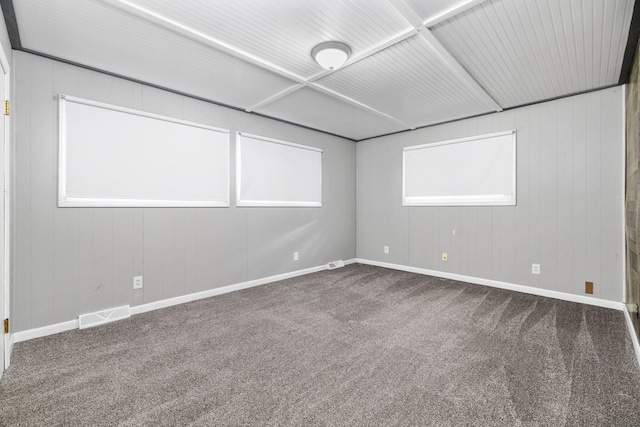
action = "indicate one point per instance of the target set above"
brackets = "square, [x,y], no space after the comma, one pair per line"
[332,213]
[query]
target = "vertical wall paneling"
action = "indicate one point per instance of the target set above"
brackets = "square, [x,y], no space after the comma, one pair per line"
[66,238]
[523,257]
[548,149]
[123,219]
[42,192]
[21,259]
[564,215]
[610,203]
[507,218]
[593,179]
[103,245]
[578,221]
[569,201]
[70,261]
[532,158]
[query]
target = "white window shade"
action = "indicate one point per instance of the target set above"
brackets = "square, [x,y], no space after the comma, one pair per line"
[476,171]
[277,173]
[114,156]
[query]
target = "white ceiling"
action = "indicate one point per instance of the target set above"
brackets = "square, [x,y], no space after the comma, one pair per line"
[414,62]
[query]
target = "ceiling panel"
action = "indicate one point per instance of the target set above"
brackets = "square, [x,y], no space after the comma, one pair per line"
[411,82]
[283,32]
[317,110]
[528,51]
[94,34]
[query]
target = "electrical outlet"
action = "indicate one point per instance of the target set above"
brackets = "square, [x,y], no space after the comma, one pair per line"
[445,257]
[588,288]
[386,249]
[295,256]
[137,282]
[535,268]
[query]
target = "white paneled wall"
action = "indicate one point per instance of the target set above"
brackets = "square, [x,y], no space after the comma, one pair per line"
[569,194]
[70,261]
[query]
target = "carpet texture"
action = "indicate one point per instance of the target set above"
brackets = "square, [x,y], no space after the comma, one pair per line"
[359,345]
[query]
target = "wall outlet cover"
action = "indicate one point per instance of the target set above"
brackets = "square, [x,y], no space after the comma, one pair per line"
[535,268]
[445,256]
[137,282]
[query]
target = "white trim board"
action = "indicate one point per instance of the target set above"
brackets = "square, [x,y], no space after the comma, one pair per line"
[44,331]
[497,284]
[5,297]
[223,290]
[156,305]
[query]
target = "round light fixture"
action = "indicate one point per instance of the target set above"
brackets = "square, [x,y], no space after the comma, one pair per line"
[331,55]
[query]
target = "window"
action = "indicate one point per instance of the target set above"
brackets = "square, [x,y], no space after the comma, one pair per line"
[114,156]
[476,171]
[277,173]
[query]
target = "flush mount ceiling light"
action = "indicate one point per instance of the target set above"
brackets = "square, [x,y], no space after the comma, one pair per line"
[331,55]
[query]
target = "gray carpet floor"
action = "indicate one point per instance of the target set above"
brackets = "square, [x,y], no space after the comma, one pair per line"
[359,345]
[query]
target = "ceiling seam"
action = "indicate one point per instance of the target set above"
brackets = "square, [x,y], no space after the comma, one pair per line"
[275,97]
[423,28]
[456,10]
[365,107]
[455,66]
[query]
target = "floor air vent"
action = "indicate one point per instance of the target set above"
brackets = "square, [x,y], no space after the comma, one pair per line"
[335,264]
[105,316]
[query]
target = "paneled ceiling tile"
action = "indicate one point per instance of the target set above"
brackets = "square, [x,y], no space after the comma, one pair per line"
[528,51]
[319,111]
[410,82]
[100,36]
[283,32]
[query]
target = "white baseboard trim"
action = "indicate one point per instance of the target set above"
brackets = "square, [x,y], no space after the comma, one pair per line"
[44,331]
[138,309]
[222,290]
[634,337]
[502,285]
